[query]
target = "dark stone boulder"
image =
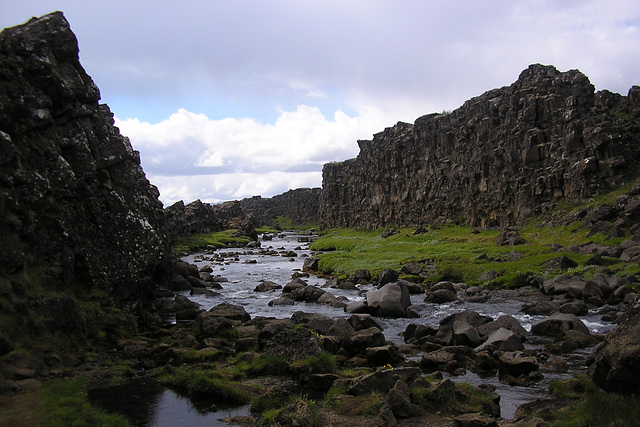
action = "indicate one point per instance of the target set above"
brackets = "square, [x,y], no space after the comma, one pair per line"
[230,311]
[392,300]
[562,263]
[412,268]
[209,326]
[516,364]
[570,285]
[502,339]
[341,328]
[307,293]
[509,237]
[615,364]
[363,339]
[311,264]
[267,286]
[295,284]
[387,276]
[505,321]
[382,380]
[281,301]
[470,317]
[399,401]
[383,355]
[558,323]
[361,276]
[179,283]
[441,296]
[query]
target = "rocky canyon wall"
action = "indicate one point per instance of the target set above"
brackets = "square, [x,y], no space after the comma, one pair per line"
[302,205]
[500,158]
[75,204]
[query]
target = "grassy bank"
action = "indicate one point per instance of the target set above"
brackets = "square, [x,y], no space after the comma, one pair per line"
[460,253]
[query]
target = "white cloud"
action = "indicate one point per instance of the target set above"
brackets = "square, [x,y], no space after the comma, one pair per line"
[190,156]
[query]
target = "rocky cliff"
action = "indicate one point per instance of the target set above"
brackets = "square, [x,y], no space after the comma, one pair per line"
[500,158]
[203,218]
[78,218]
[301,205]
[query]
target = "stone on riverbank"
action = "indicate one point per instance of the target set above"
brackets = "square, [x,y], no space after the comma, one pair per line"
[615,364]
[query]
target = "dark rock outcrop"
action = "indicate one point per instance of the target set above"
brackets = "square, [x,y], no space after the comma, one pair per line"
[203,218]
[498,159]
[300,205]
[74,200]
[615,364]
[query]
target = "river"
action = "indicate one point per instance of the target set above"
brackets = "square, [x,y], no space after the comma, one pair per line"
[246,268]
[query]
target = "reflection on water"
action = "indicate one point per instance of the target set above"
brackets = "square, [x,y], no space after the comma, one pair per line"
[175,410]
[146,403]
[136,399]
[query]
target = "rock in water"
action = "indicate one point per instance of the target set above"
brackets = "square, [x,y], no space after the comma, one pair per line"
[392,300]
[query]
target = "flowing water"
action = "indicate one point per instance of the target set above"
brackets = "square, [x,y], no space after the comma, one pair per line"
[245,269]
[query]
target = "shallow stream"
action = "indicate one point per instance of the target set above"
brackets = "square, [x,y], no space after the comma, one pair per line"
[245,269]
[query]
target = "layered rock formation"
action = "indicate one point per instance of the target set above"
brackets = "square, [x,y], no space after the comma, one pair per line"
[498,159]
[76,210]
[203,218]
[302,205]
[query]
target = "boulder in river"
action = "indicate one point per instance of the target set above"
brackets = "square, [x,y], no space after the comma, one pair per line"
[266,286]
[392,300]
[502,339]
[558,323]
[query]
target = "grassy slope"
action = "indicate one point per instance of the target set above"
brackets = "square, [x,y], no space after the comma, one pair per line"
[463,254]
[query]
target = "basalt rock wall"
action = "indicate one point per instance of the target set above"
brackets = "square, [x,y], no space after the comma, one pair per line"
[75,204]
[497,160]
[203,218]
[302,205]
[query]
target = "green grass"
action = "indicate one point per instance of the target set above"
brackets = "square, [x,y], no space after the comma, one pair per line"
[268,364]
[65,404]
[453,250]
[219,239]
[208,383]
[324,363]
[455,253]
[593,407]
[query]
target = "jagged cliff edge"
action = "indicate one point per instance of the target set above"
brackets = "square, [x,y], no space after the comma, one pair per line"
[497,160]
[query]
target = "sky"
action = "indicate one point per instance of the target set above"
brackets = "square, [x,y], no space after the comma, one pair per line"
[231,99]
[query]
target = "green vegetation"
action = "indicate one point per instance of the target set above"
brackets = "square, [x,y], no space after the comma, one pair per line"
[65,404]
[219,239]
[460,253]
[208,383]
[593,407]
[324,363]
[268,364]
[345,404]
